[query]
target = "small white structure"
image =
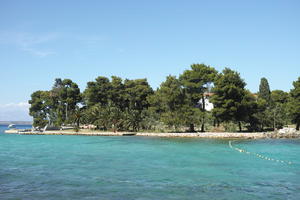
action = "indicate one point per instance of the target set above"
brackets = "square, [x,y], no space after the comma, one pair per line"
[208,105]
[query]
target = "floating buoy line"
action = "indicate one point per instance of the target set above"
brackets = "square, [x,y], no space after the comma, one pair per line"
[258,155]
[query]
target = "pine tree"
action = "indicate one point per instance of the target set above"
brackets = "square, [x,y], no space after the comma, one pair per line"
[229,93]
[264,90]
[294,104]
[168,102]
[195,82]
[264,103]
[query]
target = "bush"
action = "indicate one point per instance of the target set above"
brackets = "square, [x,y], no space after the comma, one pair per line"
[230,127]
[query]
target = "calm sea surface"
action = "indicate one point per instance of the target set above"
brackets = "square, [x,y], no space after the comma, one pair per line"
[117,168]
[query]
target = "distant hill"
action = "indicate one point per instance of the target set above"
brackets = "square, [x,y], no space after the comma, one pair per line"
[16,122]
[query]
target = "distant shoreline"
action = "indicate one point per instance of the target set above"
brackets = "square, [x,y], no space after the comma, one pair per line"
[16,122]
[213,135]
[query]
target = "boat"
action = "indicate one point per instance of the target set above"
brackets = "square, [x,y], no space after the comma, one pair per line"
[12,130]
[12,126]
[128,134]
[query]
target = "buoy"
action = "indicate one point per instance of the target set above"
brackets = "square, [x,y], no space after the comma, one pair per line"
[258,155]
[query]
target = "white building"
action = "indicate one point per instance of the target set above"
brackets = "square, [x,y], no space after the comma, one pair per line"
[208,105]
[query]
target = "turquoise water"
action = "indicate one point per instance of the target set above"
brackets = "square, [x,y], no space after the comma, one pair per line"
[117,168]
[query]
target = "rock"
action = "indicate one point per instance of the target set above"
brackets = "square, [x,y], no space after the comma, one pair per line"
[287,131]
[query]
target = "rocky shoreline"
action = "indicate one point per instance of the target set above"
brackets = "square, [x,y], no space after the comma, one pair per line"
[214,135]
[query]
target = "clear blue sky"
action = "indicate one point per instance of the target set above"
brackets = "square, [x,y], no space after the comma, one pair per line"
[43,40]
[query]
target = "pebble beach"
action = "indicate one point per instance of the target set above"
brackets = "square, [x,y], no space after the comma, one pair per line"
[217,135]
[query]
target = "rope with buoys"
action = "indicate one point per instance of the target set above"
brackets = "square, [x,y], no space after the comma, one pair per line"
[259,155]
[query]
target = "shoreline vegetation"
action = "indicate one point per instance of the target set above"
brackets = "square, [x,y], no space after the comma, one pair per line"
[201,99]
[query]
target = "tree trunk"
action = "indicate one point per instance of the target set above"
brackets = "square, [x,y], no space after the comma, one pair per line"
[240,126]
[274,122]
[192,128]
[203,110]
[298,126]
[202,127]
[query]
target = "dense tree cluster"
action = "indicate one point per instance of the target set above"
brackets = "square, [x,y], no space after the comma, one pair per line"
[177,105]
[56,106]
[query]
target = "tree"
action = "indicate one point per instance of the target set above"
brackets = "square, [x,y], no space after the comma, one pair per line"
[136,95]
[264,90]
[250,108]
[229,93]
[77,116]
[261,115]
[65,95]
[278,108]
[294,103]
[117,92]
[52,107]
[38,108]
[97,91]
[196,82]
[99,116]
[168,100]
[265,114]
[116,104]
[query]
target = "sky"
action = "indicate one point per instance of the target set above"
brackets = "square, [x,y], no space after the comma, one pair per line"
[80,40]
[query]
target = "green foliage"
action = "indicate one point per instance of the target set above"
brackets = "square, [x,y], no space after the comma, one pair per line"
[99,116]
[40,108]
[117,92]
[264,102]
[136,93]
[279,108]
[261,116]
[136,101]
[228,98]
[196,82]
[279,96]
[273,111]
[264,90]
[64,97]
[97,91]
[230,127]
[117,104]
[77,116]
[178,104]
[168,101]
[52,107]
[250,108]
[192,117]
[294,103]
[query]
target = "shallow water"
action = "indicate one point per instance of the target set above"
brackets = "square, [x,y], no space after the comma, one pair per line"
[94,167]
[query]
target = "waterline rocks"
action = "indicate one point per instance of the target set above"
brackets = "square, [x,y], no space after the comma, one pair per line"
[285,133]
[213,135]
[207,135]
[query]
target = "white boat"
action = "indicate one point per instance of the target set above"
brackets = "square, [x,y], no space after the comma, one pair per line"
[12,126]
[12,129]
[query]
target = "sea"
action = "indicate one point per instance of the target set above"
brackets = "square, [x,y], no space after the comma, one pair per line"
[146,168]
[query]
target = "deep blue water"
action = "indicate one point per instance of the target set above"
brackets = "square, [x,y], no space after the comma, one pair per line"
[94,167]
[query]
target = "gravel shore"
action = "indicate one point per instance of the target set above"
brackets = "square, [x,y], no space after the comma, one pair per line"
[242,135]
